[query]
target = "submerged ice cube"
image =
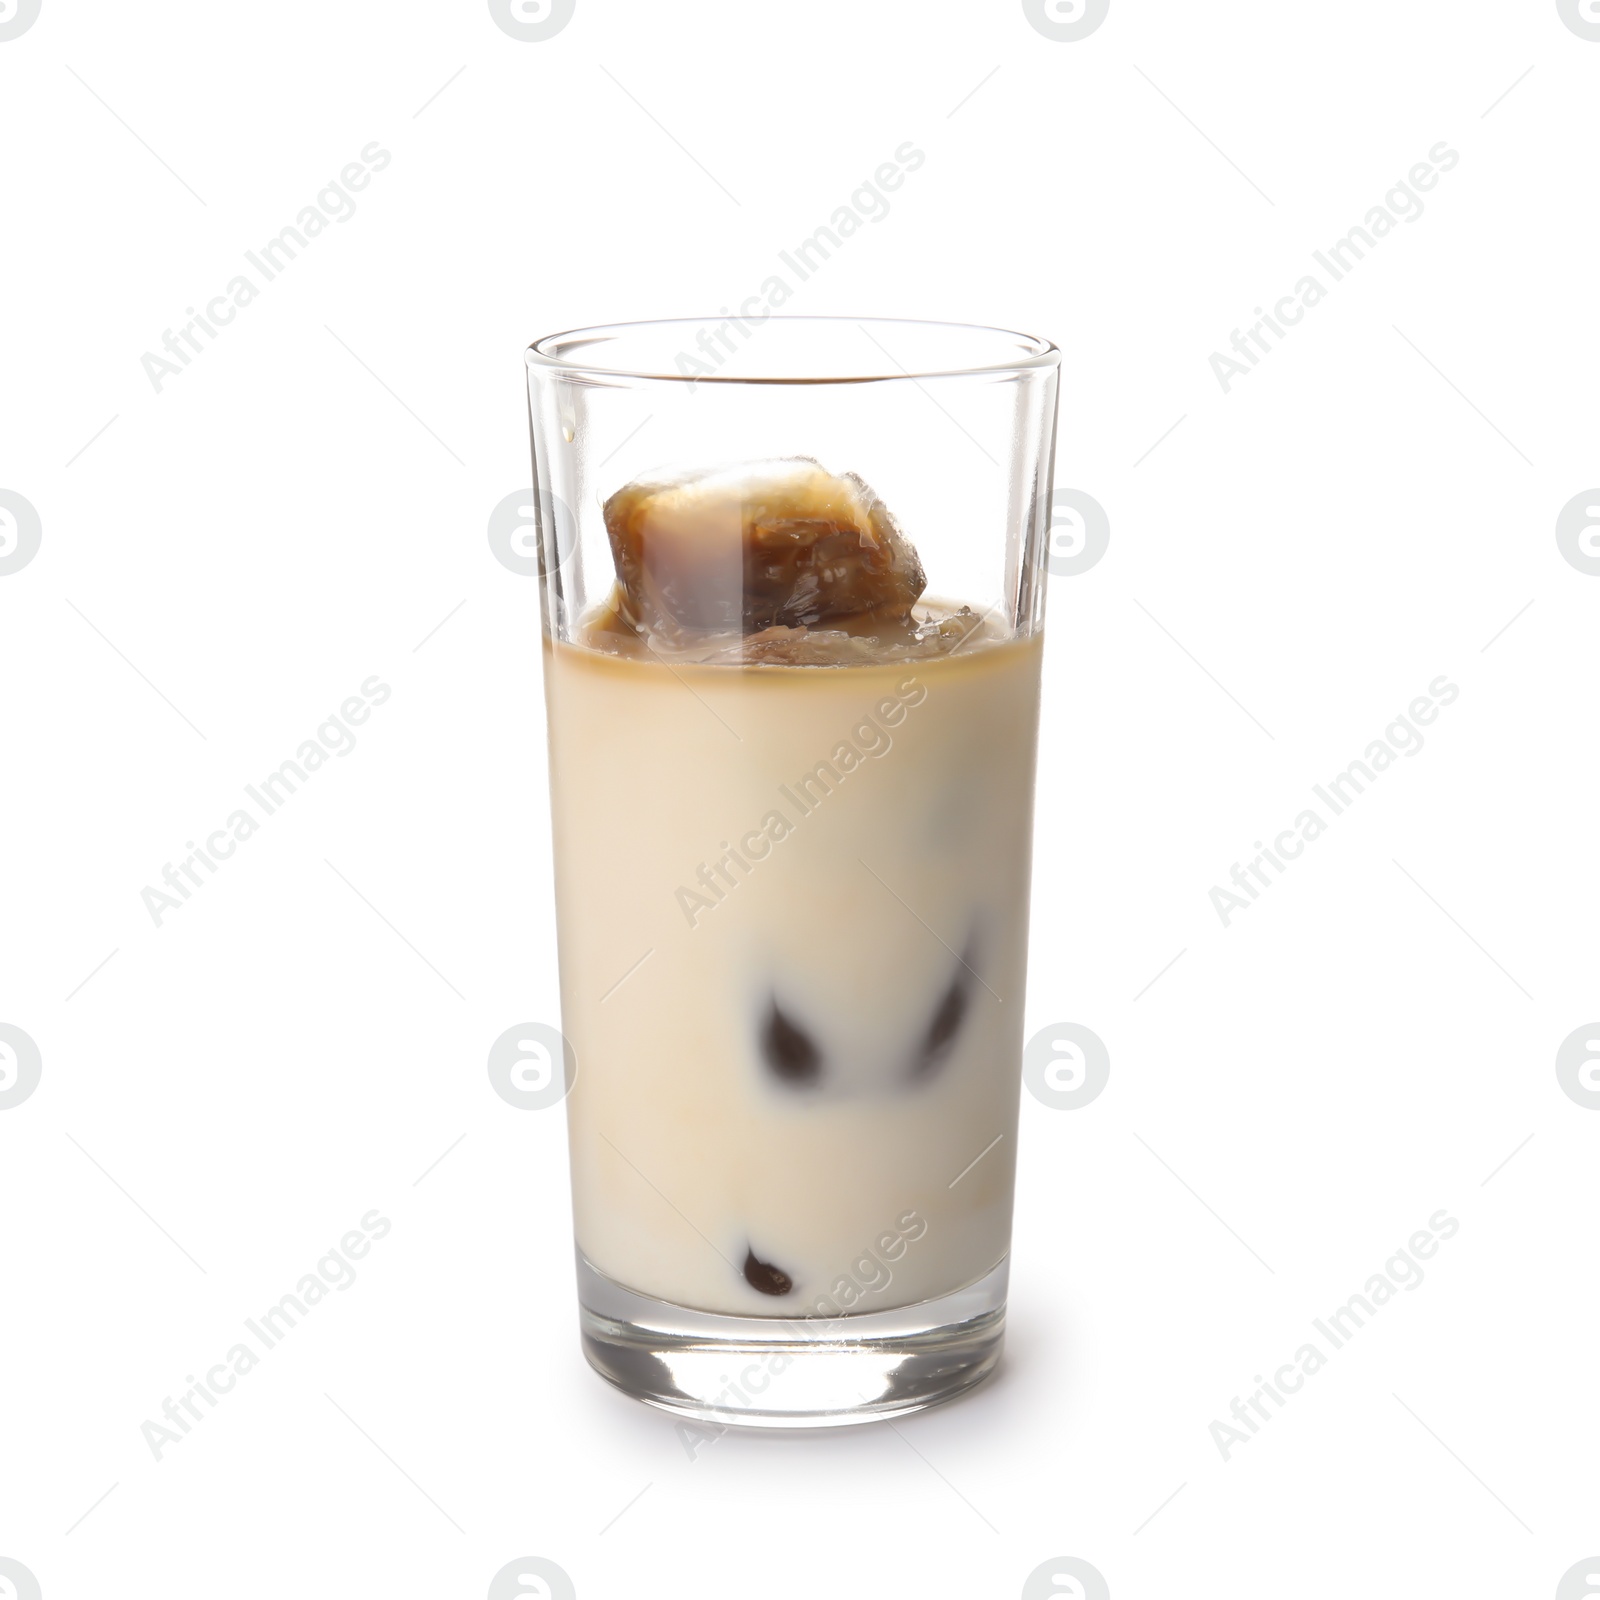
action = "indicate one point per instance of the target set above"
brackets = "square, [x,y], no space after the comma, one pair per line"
[756,545]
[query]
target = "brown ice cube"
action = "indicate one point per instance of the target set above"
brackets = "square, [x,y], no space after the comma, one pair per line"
[760,544]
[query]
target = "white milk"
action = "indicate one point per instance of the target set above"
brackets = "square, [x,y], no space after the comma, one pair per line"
[852,845]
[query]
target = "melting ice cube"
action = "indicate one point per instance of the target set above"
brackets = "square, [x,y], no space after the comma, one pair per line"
[755,545]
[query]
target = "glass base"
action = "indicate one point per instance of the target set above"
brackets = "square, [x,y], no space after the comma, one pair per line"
[783,1372]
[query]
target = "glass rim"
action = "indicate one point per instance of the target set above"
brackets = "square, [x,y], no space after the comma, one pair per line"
[1030,352]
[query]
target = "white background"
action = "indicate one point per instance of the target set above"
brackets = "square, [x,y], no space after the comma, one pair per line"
[306,504]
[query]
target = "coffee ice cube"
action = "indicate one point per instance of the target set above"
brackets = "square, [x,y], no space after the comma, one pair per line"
[759,544]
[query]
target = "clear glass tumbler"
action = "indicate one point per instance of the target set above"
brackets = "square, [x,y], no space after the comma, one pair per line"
[793,594]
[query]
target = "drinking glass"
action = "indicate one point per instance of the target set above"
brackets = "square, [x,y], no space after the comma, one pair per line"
[792,858]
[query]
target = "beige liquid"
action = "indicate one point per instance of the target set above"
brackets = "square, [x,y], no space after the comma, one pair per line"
[857,899]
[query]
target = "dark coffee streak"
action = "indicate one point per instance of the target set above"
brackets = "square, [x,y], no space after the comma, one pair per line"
[789,1050]
[942,1031]
[764,1276]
